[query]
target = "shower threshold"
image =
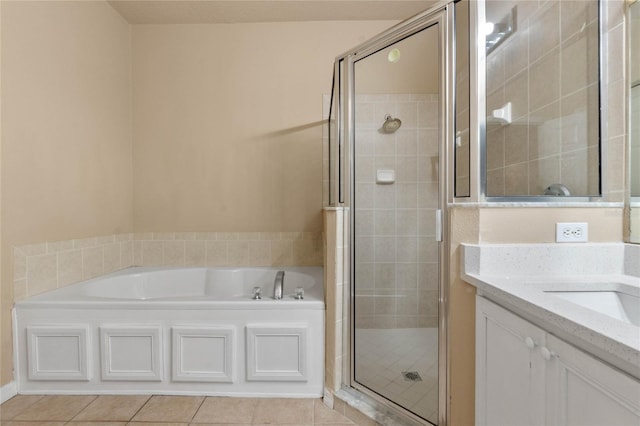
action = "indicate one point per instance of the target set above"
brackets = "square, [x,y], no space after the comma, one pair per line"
[383,414]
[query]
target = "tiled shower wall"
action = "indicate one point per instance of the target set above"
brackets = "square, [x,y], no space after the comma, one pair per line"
[542,70]
[47,266]
[396,255]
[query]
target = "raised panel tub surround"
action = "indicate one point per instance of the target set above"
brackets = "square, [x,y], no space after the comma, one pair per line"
[545,352]
[175,331]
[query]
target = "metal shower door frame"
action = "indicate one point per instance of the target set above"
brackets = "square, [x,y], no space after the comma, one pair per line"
[442,14]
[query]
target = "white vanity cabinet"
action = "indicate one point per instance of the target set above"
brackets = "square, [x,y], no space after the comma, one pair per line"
[582,390]
[526,376]
[510,378]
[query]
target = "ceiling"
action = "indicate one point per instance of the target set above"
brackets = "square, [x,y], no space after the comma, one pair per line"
[235,11]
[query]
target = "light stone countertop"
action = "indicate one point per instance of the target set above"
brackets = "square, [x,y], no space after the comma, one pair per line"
[517,276]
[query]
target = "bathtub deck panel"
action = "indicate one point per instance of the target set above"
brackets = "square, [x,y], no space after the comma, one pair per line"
[180,347]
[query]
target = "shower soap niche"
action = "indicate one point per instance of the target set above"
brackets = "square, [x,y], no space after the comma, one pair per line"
[385,177]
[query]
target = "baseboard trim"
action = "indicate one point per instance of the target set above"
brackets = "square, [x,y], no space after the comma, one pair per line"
[8,391]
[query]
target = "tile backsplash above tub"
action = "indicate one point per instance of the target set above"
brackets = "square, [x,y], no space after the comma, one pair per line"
[228,249]
[47,266]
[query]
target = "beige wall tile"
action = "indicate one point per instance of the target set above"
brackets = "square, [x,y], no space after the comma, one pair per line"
[544,81]
[516,91]
[206,236]
[259,253]
[186,236]
[141,236]
[20,290]
[542,173]
[227,236]
[217,253]
[495,148]
[112,257]
[281,253]
[573,169]
[69,267]
[249,235]
[126,253]
[152,253]
[105,239]
[575,15]
[84,243]
[92,262]
[161,236]
[57,246]
[19,265]
[516,142]
[137,253]
[33,249]
[195,253]
[544,32]
[127,236]
[307,252]
[42,273]
[238,252]
[516,52]
[615,109]
[615,167]
[516,179]
[407,321]
[174,253]
[544,131]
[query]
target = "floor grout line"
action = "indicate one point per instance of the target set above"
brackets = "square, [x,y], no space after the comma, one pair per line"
[197,409]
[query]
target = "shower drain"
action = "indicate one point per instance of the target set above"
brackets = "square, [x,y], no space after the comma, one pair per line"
[411,376]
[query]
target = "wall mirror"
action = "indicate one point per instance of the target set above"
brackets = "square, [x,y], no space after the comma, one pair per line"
[542,133]
[634,122]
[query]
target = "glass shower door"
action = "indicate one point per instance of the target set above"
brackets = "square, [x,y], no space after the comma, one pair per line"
[396,196]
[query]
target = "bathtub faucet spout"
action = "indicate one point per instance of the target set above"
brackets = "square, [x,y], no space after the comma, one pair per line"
[278,286]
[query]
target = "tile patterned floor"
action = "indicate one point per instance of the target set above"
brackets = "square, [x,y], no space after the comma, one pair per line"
[383,354]
[108,410]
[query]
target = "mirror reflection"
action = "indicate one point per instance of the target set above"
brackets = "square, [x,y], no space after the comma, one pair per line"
[542,105]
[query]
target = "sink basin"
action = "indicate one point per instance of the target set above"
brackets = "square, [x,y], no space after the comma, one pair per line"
[622,306]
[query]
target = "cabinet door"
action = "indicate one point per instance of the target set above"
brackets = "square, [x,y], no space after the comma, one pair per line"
[584,391]
[510,376]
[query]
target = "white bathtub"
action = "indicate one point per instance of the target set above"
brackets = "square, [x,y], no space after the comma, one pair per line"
[174,331]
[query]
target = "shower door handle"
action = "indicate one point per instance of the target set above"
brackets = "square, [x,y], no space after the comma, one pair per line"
[439,225]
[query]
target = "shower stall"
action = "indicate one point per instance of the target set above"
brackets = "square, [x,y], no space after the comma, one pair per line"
[390,157]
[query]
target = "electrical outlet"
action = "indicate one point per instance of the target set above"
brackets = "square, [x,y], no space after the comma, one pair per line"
[570,232]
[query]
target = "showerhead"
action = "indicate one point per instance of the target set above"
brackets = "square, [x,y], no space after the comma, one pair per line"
[391,124]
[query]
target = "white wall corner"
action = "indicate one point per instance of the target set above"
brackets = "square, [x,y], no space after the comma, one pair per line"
[8,391]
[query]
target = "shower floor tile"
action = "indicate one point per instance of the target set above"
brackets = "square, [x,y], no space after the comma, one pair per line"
[382,355]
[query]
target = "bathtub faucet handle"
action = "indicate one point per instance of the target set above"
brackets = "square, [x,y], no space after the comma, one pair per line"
[257,293]
[278,286]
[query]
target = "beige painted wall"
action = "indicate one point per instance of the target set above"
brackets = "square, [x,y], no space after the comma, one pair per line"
[463,228]
[227,123]
[66,130]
